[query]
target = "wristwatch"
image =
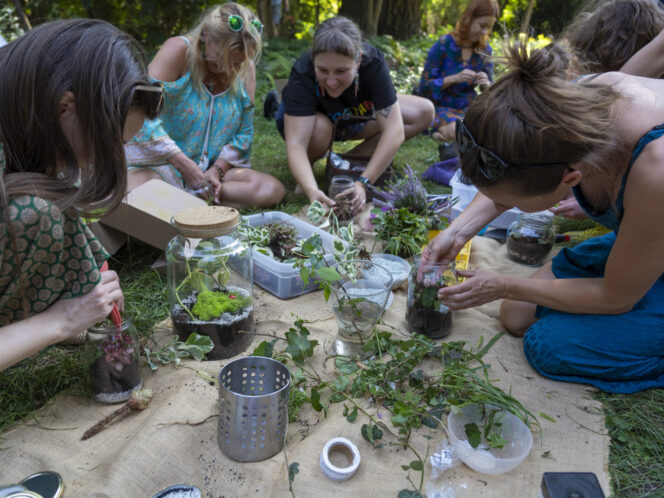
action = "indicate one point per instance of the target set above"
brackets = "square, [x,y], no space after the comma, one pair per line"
[364,181]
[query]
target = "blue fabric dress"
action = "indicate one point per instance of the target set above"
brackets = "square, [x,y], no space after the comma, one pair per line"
[444,59]
[616,353]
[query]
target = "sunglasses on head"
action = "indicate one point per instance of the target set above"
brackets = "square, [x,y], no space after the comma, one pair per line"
[236,23]
[491,166]
[150,98]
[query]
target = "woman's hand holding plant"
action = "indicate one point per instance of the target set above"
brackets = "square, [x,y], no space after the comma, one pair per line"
[482,79]
[191,173]
[480,287]
[359,199]
[443,249]
[318,195]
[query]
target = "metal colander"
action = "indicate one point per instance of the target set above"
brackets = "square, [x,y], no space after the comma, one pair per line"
[253,408]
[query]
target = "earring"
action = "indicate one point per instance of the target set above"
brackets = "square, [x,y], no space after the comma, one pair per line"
[357,81]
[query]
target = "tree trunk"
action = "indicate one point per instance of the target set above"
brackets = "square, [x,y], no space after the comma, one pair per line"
[365,13]
[525,24]
[21,14]
[400,18]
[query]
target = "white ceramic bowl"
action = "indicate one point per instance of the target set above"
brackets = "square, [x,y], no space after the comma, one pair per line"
[489,461]
[398,278]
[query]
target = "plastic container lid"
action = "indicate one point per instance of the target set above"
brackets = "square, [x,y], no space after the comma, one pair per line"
[206,221]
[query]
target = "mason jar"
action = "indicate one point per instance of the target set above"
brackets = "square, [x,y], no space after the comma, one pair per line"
[338,185]
[425,314]
[210,281]
[113,355]
[530,238]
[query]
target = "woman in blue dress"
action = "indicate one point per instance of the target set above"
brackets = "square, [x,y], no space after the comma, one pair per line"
[458,63]
[594,315]
[205,133]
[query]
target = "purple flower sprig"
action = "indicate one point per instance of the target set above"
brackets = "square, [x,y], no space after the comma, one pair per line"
[406,192]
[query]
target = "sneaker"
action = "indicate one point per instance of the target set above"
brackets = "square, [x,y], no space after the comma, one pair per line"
[447,150]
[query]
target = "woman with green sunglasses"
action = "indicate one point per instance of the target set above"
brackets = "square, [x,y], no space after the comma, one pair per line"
[203,138]
[595,314]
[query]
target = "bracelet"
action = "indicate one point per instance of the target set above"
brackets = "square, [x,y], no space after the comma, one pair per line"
[364,181]
[220,171]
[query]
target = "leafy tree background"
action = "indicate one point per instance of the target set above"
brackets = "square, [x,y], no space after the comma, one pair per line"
[152,21]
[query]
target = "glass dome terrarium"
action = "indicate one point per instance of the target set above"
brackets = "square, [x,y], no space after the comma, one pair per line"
[209,278]
[530,238]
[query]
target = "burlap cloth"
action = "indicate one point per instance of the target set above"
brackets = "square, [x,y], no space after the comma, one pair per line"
[174,439]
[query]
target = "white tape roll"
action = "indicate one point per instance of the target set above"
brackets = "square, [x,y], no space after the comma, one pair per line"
[342,445]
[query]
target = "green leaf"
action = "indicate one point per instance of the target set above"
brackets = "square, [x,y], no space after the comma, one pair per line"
[352,416]
[197,345]
[341,383]
[473,434]
[293,469]
[337,398]
[371,433]
[416,465]
[265,349]
[299,347]
[329,274]
[409,493]
[399,419]
[315,400]
[345,365]
[547,417]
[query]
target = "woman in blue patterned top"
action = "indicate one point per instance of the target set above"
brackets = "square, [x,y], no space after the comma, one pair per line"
[457,63]
[204,135]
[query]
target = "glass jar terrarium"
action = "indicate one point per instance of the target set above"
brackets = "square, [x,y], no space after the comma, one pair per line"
[359,298]
[425,314]
[113,355]
[530,238]
[338,185]
[209,278]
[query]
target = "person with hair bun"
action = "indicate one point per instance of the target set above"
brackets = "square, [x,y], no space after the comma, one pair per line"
[343,77]
[457,64]
[71,93]
[595,314]
[203,139]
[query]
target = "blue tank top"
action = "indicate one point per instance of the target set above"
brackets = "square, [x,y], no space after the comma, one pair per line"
[611,217]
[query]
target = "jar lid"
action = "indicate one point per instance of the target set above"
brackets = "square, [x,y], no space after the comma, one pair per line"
[206,221]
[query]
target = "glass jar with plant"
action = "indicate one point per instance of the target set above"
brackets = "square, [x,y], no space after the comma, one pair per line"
[530,238]
[210,287]
[425,314]
[113,354]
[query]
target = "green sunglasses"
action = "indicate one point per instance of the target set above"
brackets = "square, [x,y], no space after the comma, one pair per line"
[236,23]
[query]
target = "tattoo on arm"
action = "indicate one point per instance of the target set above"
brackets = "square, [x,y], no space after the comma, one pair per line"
[385,112]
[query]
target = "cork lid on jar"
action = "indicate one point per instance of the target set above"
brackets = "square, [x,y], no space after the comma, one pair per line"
[206,221]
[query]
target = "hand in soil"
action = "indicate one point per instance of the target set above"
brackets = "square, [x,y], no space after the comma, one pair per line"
[139,400]
[480,287]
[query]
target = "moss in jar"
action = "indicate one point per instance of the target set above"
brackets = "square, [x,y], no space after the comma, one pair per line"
[425,314]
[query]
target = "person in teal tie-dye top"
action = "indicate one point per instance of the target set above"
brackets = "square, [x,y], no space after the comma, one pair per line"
[203,138]
[458,63]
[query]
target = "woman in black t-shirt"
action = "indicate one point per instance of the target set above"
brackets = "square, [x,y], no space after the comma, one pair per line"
[341,76]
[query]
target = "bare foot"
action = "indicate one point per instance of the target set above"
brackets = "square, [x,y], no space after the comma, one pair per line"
[437,136]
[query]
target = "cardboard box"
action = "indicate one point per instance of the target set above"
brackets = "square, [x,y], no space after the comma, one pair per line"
[146,212]
[110,238]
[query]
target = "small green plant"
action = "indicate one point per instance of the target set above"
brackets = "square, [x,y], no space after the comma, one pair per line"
[196,346]
[491,430]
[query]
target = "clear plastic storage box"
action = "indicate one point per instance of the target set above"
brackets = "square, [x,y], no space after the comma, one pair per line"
[278,278]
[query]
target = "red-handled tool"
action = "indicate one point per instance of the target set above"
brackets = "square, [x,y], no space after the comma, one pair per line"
[116,318]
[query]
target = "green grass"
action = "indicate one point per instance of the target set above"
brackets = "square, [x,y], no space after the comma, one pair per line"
[635,422]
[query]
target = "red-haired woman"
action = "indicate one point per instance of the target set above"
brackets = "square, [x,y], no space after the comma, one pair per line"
[457,63]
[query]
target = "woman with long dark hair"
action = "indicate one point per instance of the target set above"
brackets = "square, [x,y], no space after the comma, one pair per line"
[71,93]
